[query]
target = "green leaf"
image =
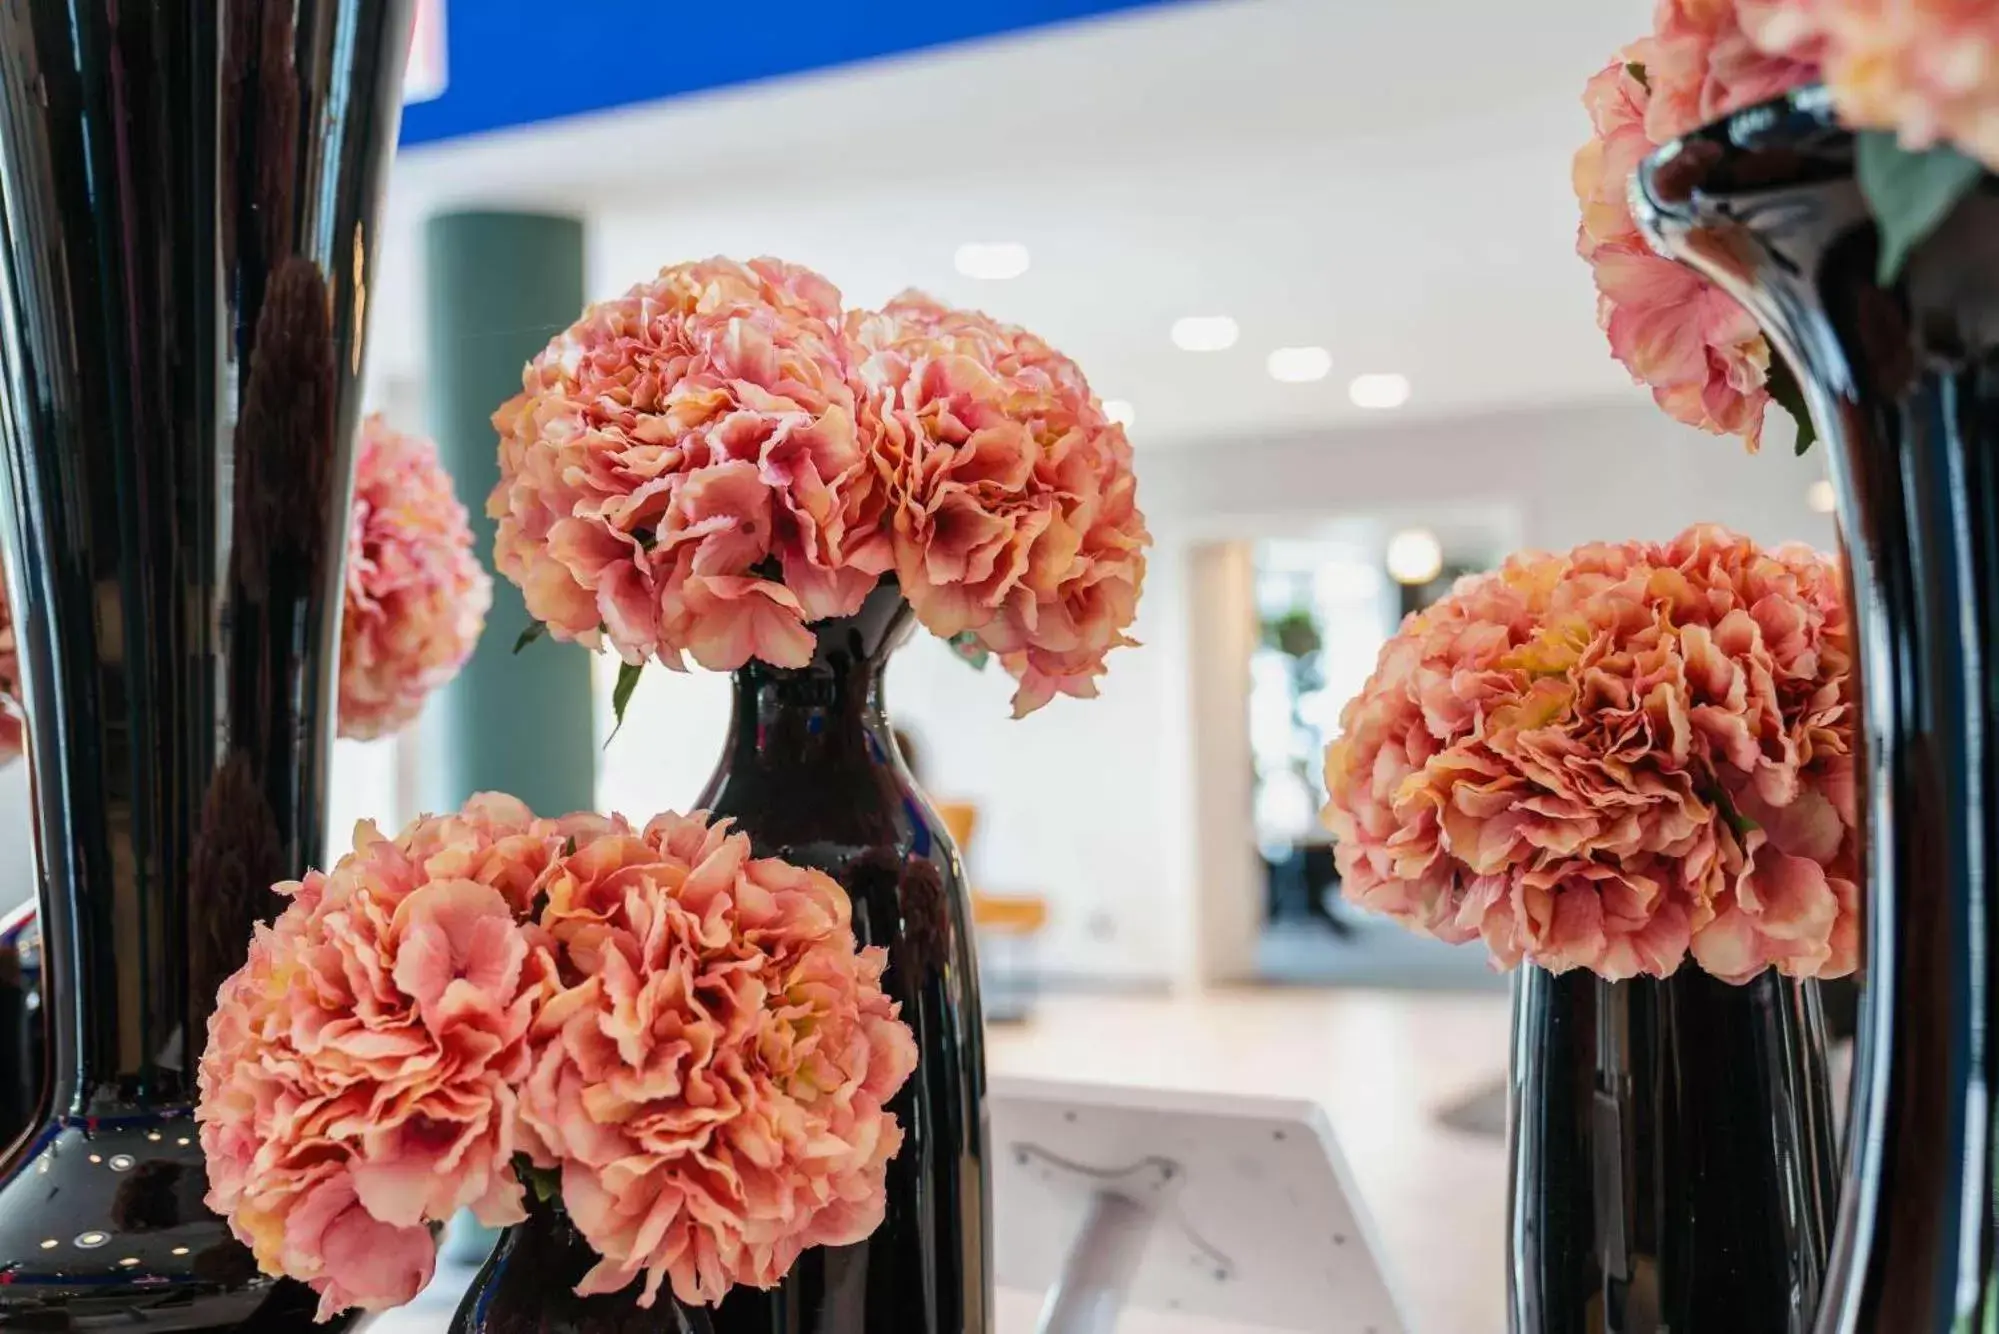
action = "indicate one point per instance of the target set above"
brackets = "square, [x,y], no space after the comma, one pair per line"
[1911,193]
[621,694]
[1740,823]
[534,631]
[967,646]
[545,1182]
[1790,396]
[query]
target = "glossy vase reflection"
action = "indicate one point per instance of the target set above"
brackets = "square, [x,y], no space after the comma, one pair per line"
[1672,1155]
[186,223]
[1903,383]
[811,772]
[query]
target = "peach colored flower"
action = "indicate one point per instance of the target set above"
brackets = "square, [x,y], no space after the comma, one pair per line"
[1013,505]
[1613,758]
[360,1074]
[1702,355]
[13,738]
[1928,69]
[711,1073]
[682,474]
[416,595]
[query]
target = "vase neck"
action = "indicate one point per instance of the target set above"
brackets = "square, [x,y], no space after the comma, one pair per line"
[833,710]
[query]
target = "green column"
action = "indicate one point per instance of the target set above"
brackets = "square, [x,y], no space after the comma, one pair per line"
[499,286]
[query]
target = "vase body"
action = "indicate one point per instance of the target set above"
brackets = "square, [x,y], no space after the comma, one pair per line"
[1903,384]
[187,210]
[812,774]
[1672,1155]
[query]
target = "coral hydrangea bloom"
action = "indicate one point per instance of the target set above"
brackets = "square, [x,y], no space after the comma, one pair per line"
[1013,504]
[1612,759]
[12,736]
[712,1071]
[358,1083]
[1694,346]
[682,475]
[1929,69]
[416,594]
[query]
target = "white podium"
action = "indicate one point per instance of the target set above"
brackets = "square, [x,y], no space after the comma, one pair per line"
[1230,1209]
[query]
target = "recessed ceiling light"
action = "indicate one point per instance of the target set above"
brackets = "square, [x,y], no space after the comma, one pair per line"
[992,260]
[1379,391]
[1821,497]
[1414,556]
[1120,411]
[1299,365]
[1205,333]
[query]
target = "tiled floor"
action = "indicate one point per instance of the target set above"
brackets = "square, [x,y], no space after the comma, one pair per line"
[1383,1064]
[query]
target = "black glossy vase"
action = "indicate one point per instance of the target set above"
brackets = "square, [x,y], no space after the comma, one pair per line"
[188,192]
[1903,384]
[1672,1155]
[813,775]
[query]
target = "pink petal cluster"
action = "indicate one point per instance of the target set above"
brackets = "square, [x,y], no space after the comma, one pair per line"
[1928,69]
[1612,759]
[713,1067]
[416,594]
[360,1074]
[682,475]
[1012,500]
[1699,351]
[13,738]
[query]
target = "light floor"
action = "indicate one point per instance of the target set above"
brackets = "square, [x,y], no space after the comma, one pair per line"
[1384,1064]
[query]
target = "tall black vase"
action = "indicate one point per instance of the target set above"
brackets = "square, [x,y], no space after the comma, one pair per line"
[1672,1158]
[812,774]
[1903,385]
[188,192]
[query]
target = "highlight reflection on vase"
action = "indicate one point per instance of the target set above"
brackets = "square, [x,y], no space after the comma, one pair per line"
[188,215]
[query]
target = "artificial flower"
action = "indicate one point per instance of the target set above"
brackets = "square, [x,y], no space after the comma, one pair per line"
[416,594]
[1012,503]
[712,1070]
[359,1080]
[1614,759]
[1927,69]
[681,474]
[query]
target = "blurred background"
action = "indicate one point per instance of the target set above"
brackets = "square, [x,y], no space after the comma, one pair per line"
[1319,255]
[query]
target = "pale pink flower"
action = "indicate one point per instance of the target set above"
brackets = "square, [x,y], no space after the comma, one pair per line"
[360,1074]
[416,594]
[682,475]
[1928,69]
[711,1074]
[1012,501]
[1613,758]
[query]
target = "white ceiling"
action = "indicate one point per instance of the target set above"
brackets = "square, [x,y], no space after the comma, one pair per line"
[1386,178]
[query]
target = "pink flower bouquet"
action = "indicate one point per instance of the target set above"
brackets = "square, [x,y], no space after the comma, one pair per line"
[1926,71]
[1612,759]
[416,595]
[709,464]
[687,1039]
